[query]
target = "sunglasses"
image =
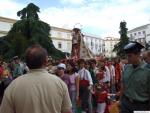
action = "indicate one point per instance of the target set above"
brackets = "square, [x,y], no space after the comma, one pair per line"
[60,68]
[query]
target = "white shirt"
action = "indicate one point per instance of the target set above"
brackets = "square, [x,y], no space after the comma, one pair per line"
[106,75]
[96,70]
[84,73]
[112,71]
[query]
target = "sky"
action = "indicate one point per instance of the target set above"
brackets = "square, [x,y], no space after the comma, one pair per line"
[97,17]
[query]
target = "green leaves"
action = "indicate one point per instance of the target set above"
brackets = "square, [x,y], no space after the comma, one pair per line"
[30,12]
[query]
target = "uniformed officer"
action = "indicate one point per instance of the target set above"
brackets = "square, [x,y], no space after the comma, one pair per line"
[135,81]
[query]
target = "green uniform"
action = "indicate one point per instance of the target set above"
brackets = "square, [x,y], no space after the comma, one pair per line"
[136,82]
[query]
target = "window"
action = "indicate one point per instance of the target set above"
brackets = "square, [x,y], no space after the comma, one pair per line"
[68,35]
[134,34]
[96,46]
[139,33]
[130,35]
[99,50]
[59,45]
[143,32]
[68,45]
[91,43]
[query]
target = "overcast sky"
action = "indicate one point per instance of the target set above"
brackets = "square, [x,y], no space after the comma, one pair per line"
[98,17]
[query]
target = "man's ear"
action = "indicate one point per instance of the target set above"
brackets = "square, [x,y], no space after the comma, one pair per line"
[139,54]
[46,61]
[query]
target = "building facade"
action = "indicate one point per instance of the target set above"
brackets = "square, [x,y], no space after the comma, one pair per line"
[61,37]
[140,34]
[109,43]
[5,25]
[94,43]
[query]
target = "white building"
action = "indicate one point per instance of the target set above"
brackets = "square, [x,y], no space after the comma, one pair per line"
[140,34]
[94,43]
[5,25]
[109,43]
[61,37]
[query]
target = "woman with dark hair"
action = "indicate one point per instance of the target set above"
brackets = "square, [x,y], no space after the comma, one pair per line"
[73,85]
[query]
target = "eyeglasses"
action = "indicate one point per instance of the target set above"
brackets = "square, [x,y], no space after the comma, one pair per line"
[60,68]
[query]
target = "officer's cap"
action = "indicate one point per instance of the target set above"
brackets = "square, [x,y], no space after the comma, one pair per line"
[133,47]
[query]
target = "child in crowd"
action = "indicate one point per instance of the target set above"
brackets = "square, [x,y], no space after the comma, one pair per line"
[101,94]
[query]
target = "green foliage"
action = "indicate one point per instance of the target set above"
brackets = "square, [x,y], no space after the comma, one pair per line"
[30,12]
[118,48]
[27,31]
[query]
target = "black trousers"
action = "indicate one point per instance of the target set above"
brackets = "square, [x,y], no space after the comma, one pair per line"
[84,96]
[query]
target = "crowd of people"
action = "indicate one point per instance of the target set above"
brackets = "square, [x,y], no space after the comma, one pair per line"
[92,85]
[87,80]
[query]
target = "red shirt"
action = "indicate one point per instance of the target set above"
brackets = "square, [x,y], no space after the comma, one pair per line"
[117,72]
[100,75]
[102,96]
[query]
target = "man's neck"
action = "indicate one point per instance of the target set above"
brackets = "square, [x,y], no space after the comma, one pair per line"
[82,68]
[137,62]
[94,67]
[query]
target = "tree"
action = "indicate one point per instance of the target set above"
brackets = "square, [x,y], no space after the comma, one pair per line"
[118,48]
[27,31]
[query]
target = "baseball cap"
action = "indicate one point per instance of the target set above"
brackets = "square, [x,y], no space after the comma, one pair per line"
[61,65]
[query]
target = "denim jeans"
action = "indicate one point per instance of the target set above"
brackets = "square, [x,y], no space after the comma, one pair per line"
[101,107]
[73,100]
[90,103]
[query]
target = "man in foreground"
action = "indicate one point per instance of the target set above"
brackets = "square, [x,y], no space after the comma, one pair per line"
[38,91]
[135,81]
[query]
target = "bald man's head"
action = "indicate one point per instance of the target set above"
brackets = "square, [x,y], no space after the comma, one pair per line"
[36,57]
[146,56]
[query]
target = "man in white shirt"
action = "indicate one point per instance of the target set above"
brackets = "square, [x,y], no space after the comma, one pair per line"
[112,78]
[85,92]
